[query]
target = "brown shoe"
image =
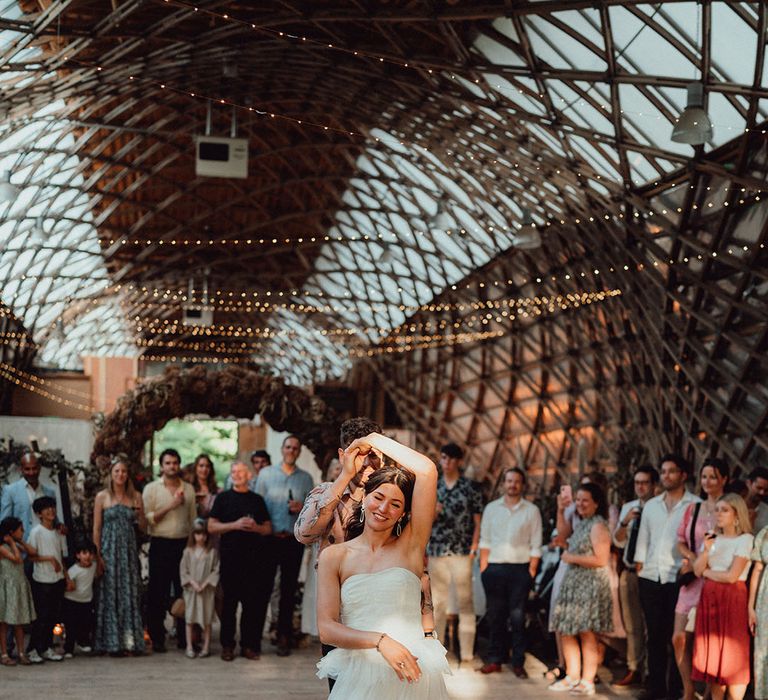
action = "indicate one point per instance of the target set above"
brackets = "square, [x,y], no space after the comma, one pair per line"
[283,646]
[632,678]
[227,654]
[490,668]
[250,654]
[520,672]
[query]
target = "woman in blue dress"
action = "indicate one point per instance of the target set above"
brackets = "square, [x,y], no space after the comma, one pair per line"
[118,509]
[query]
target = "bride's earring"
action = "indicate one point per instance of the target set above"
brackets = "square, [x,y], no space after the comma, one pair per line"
[399,528]
[362,515]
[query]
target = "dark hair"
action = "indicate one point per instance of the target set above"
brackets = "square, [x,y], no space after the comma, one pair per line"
[515,470]
[85,545]
[9,525]
[355,428]
[403,478]
[597,478]
[718,465]
[682,463]
[40,504]
[758,473]
[199,525]
[598,496]
[737,486]
[452,450]
[648,469]
[261,453]
[168,452]
[213,487]
[290,437]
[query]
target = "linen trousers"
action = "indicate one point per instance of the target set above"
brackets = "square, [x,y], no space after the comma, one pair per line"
[456,569]
[632,617]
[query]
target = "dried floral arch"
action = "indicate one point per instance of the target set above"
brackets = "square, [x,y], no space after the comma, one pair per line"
[234,391]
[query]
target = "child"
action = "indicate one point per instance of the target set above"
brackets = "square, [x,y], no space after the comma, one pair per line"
[77,613]
[199,572]
[16,606]
[48,579]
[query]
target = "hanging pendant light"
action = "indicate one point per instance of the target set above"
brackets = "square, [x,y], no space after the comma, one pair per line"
[693,127]
[8,191]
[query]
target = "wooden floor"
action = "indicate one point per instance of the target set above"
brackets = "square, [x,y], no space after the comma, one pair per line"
[172,676]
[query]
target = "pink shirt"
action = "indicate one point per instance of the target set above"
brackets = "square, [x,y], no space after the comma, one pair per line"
[690,594]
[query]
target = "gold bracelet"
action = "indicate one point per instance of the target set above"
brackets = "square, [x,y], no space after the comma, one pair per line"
[383,634]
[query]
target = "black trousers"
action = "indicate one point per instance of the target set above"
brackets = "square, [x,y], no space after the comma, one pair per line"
[164,559]
[506,591]
[48,598]
[79,622]
[287,553]
[658,601]
[248,583]
[328,648]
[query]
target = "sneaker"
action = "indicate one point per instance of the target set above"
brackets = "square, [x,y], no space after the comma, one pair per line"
[69,655]
[83,650]
[51,655]
[34,657]
[190,654]
[583,688]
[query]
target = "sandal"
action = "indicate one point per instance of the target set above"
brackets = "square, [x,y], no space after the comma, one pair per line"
[6,660]
[563,685]
[555,673]
[583,688]
[24,660]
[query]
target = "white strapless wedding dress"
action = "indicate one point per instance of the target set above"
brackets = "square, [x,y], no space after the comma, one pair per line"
[385,601]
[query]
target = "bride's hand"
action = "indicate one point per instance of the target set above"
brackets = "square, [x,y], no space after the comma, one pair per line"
[402,662]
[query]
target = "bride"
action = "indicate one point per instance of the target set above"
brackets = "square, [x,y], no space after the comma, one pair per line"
[369,587]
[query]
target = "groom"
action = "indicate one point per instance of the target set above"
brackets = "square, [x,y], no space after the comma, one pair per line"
[323,518]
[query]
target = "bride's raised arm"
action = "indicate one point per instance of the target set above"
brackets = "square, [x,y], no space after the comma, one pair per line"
[425,489]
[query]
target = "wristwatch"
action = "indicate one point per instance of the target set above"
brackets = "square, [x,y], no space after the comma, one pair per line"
[431,634]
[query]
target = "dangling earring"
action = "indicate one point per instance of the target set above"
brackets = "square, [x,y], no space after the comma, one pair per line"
[362,514]
[399,528]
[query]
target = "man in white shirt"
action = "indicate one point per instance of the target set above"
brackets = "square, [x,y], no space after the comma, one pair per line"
[658,561]
[510,551]
[625,538]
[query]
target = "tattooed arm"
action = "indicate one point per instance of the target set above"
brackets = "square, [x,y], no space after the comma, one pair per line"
[427,616]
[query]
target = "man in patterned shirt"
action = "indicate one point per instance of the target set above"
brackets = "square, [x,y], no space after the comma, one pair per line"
[453,545]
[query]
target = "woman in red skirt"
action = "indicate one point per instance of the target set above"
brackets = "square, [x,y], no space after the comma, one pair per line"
[721,640]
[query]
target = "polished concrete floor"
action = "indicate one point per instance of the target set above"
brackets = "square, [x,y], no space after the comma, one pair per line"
[171,676]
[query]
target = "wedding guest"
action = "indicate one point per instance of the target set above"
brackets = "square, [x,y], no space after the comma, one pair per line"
[170,507]
[17,498]
[77,612]
[757,491]
[118,512]
[699,518]
[199,575]
[510,551]
[16,606]
[658,560]
[49,579]
[259,460]
[453,546]
[241,520]
[584,607]
[721,639]
[625,538]
[758,613]
[204,484]
[284,489]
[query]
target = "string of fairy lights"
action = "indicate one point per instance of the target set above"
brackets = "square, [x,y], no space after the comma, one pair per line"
[41,387]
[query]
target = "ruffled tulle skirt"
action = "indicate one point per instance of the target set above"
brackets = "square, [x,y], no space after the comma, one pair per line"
[363,674]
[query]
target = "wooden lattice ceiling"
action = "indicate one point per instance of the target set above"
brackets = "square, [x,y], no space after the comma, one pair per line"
[448,125]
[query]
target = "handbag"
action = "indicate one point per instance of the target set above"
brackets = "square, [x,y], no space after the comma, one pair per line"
[178,608]
[689,577]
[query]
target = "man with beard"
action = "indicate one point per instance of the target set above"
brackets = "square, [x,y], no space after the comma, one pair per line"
[323,518]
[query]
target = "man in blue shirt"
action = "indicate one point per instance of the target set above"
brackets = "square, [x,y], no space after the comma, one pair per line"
[284,489]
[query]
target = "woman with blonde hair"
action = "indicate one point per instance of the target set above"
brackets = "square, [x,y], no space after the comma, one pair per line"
[118,509]
[721,638]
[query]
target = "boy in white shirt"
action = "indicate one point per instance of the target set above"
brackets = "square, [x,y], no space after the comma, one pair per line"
[78,613]
[48,579]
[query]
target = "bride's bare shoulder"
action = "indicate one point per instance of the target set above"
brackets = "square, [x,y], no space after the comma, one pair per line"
[333,556]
